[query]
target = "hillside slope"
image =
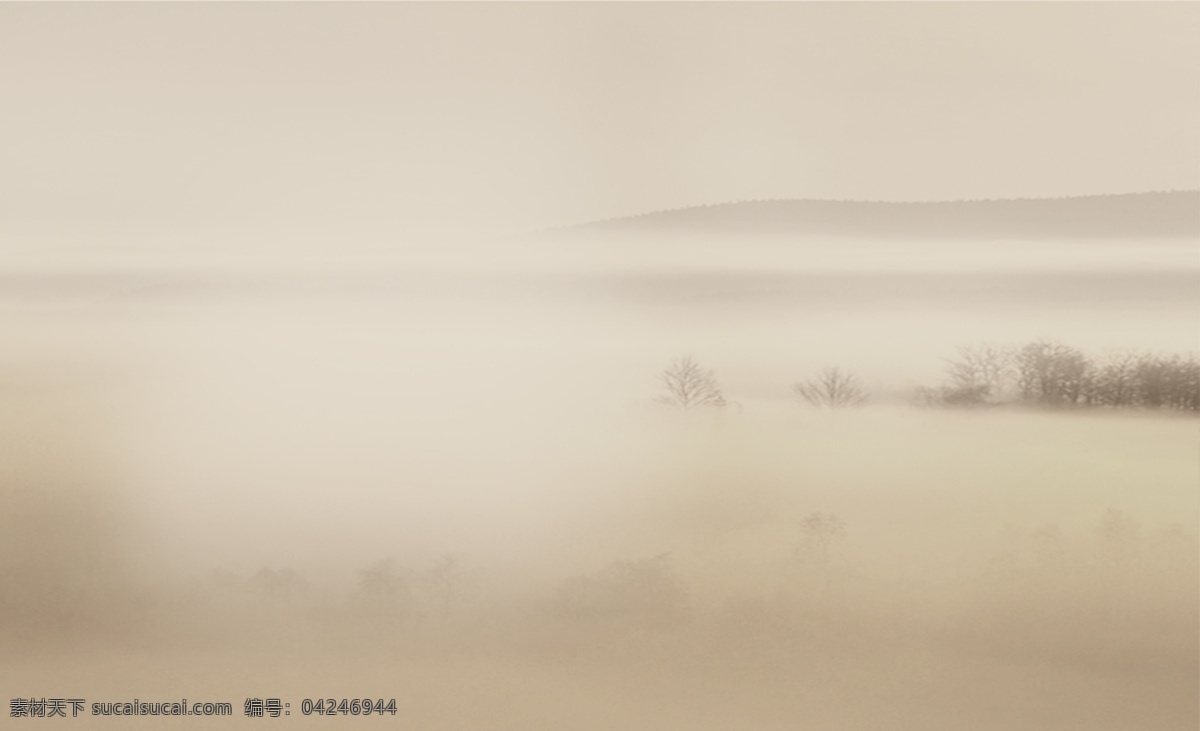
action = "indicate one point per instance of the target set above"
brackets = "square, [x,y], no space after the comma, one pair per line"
[1136,215]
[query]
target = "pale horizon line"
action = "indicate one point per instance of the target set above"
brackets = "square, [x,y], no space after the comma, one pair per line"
[861,201]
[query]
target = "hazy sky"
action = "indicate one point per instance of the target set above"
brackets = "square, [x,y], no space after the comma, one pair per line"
[139,124]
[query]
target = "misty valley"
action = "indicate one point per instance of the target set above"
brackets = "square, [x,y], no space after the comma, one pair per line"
[586,366]
[475,493]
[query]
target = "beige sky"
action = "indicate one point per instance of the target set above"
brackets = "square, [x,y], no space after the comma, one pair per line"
[141,125]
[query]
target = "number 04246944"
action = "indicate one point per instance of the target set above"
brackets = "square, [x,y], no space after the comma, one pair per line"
[347,706]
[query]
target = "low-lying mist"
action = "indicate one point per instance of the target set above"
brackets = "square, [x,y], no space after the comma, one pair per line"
[475,506]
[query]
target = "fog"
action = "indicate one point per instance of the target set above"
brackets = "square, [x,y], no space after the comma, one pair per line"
[455,488]
[476,357]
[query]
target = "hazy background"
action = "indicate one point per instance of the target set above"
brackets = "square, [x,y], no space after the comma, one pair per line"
[268,133]
[289,291]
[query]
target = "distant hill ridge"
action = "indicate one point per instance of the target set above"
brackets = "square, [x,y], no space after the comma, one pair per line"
[1170,214]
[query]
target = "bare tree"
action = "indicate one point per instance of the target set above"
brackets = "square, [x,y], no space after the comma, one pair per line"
[445,582]
[689,386]
[1052,374]
[832,388]
[1168,382]
[977,372]
[385,590]
[645,591]
[820,531]
[1118,535]
[1115,383]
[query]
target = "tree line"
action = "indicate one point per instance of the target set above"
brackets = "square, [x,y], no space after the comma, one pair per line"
[1054,375]
[1043,373]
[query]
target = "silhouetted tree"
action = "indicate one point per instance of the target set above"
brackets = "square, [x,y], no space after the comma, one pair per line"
[282,584]
[820,530]
[445,583]
[1162,382]
[1052,374]
[1115,381]
[1186,389]
[385,589]
[976,373]
[644,591]
[1117,537]
[832,388]
[688,386]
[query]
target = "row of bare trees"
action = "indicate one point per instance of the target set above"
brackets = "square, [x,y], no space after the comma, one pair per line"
[1043,373]
[688,386]
[1052,374]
